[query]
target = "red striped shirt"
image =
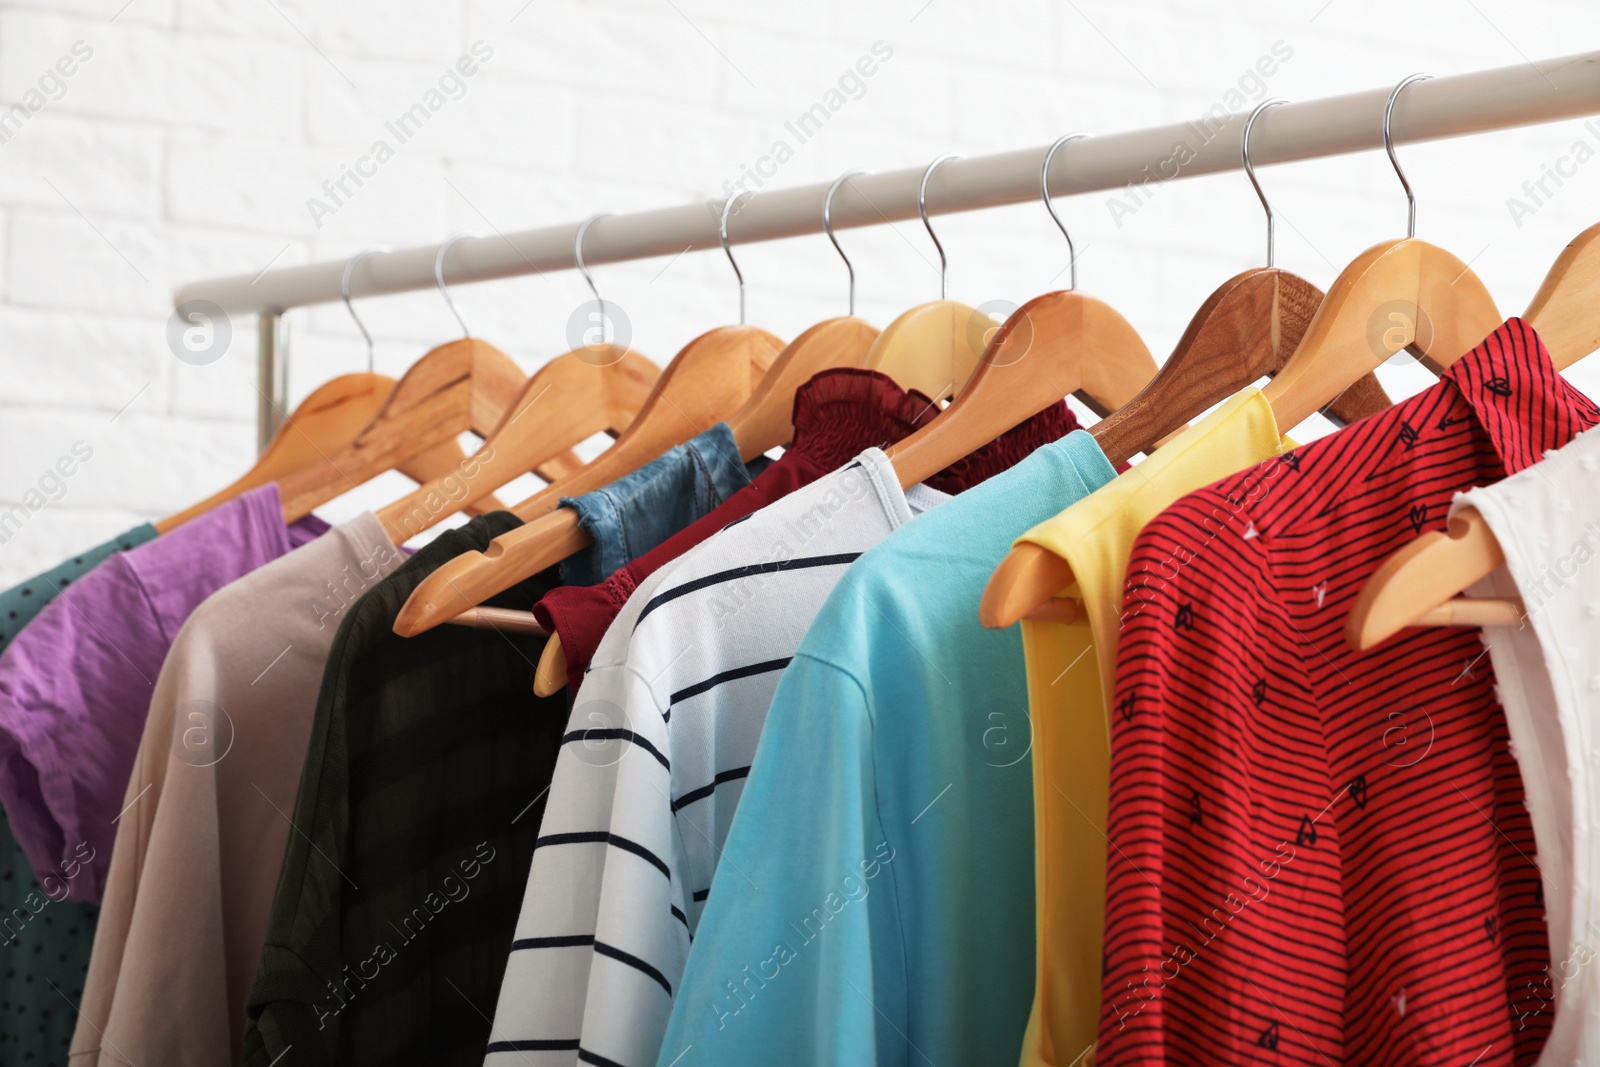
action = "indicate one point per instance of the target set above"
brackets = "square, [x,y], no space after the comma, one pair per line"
[1319,855]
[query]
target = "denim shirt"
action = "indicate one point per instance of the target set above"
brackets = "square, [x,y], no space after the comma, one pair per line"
[637,512]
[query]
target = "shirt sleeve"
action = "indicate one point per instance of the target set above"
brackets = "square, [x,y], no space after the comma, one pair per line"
[603,933]
[74,688]
[799,948]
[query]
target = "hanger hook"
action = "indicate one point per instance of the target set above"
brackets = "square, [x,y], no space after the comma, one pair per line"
[1044,191]
[722,232]
[1250,172]
[344,292]
[922,209]
[1388,146]
[827,228]
[583,269]
[438,275]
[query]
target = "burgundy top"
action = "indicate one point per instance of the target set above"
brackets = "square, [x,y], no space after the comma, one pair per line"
[1318,855]
[836,414]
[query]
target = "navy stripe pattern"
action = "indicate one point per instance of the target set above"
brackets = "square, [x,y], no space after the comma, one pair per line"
[1319,855]
[656,752]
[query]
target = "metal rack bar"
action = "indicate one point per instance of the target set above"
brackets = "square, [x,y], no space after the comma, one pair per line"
[1452,106]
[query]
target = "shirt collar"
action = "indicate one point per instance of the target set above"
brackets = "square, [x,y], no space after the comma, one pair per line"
[1523,403]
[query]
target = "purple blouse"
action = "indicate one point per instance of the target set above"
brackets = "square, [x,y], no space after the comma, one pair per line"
[75,684]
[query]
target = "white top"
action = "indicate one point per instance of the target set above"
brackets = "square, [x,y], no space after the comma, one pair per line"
[661,736]
[1547,520]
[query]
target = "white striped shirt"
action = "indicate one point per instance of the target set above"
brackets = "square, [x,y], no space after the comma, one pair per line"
[660,739]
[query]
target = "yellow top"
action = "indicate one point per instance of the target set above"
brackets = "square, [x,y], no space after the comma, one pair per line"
[1072,751]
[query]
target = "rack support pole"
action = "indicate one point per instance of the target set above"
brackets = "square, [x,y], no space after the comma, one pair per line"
[272,375]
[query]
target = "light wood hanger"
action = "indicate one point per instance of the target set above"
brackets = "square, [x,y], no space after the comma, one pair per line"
[709,381]
[326,421]
[1243,331]
[1079,345]
[933,348]
[585,392]
[765,422]
[1399,294]
[462,385]
[1415,586]
[709,378]
[592,389]
[1421,584]
[1406,294]
[1566,310]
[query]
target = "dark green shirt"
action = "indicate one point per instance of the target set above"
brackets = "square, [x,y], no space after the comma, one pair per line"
[421,797]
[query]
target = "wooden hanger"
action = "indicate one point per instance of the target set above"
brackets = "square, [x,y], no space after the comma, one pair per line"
[1415,586]
[934,347]
[1566,310]
[592,389]
[1243,331]
[765,422]
[1421,584]
[1399,294]
[325,422]
[705,384]
[462,385]
[583,392]
[1055,344]
[1441,311]
[767,419]
[1078,345]
[709,381]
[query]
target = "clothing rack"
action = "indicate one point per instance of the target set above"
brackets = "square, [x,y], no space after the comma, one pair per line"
[1522,95]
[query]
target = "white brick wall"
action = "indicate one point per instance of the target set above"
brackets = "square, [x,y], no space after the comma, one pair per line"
[188,143]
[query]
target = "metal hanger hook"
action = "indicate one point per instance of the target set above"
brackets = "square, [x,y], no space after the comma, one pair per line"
[1250,172]
[1044,192]
[922,209]
[438,275]
[344,293]
[722,232]
[583,269]
[827,228]
[1388,146]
